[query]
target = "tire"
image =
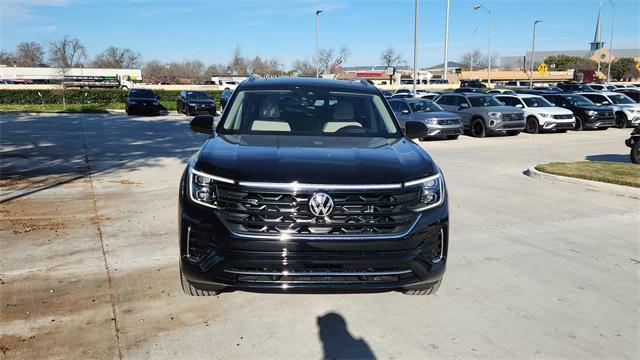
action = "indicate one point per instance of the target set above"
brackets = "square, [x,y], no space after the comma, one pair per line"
[579,124]
[532,126]
[191,290]
[621,120]
[186,111]
[432,289]
[477,128]
[634,154]
[513,132]
[452,137]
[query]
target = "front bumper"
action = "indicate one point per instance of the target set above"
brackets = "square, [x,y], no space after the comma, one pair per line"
[594,122]
[212,256]
[445,130]
[498,125]
[559,125]
[142,109]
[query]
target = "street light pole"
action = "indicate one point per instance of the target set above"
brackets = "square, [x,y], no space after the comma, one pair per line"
[317,62]
[446,42]
[533,52]
[613,13]
[476,7]
[415,48]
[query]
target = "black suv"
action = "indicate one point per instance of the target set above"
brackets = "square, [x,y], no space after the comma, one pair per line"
[192,102]
[588,115]
[574,87]
[311,184]
[142,101]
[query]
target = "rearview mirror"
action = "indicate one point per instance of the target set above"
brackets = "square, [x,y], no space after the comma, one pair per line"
[202,124]
[416,129]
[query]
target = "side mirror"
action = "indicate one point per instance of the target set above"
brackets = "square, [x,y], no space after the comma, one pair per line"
[606,103]
[463,106]
[519,106]
[405,111]
[416,129]
[202,124]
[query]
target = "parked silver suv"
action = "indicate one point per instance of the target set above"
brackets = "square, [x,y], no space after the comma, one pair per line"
[483,114]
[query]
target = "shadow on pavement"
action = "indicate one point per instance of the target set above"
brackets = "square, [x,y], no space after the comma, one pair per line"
[621,158]
[43,151]
[337,342]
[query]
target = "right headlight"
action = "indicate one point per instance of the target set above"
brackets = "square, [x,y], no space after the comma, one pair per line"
[202,187]
[591,112]
[494,115]
[432,191]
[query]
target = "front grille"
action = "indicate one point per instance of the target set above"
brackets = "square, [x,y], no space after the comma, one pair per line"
[324,277]
[448,122]
[266,212]
[449,132]
[512,117]
[605,114]
[564,126]
[512,126]
[563,117]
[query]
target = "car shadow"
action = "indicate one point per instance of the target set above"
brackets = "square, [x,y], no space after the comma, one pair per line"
[620,158]
[337,342]
[41,151]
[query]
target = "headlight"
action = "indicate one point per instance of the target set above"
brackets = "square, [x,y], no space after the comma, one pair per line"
[202,187]
[155,103]
[131,102]
[591,112]
[544,115]
[432,121]
[432,191]
[191,104]
[494,115]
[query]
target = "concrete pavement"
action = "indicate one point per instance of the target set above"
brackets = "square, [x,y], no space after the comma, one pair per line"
[88,267]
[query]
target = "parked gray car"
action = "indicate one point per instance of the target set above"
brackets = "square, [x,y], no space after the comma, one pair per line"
[483,114]
[439,122]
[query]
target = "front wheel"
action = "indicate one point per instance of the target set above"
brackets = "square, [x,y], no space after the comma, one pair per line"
[621,120]
[635,153]
[477,129]
[579,124]
[532,125]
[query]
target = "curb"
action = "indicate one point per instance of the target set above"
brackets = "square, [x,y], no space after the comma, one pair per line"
[619,190]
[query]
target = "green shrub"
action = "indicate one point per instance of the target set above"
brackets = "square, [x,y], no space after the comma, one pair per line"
[82,96]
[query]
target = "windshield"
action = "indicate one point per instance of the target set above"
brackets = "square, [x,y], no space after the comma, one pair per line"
[197,95]
[482,101]
[424,106]
[621,99]
[141,94]
[537,102]
[309,111]
[578,100]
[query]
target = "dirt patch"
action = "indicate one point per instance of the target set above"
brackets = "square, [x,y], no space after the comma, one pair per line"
[21,227]
[125,182]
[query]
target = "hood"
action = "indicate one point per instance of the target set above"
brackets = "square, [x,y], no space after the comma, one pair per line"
[503,109]
[142,99]
[553,110]
[629,106]
[311,159]
[596,107]
[440,115]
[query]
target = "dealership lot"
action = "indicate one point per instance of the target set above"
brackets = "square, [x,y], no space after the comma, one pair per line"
[89,261]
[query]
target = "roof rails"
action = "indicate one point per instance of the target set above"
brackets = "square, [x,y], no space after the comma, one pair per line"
[363,81]
[253,77]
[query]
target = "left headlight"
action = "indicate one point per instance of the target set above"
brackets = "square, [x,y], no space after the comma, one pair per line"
[202,188]
[544,115]
[155,103]
[432,192]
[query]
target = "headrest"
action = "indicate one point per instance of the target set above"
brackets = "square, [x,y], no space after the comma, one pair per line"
[269,108]
[343,111]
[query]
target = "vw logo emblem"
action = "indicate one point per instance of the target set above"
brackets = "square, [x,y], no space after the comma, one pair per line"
[321,204]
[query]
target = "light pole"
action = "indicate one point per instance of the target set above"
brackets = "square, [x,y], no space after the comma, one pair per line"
[533,52]
[446,42]
[613,13]
[473,47]
[477,7]
[415,48]
[317,62]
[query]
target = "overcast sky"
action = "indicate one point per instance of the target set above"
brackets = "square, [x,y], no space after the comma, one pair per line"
[208,30]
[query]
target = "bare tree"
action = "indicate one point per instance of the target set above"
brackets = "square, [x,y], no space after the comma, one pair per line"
[65,54]
[494,61]
[238,64]
[304,67]
[217,69]
[344,54]
[6,58]
[265,67]
[471,60]
[29,54]
[325,59]
[154,71]
[117,58]
[193,70]
[391,57]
